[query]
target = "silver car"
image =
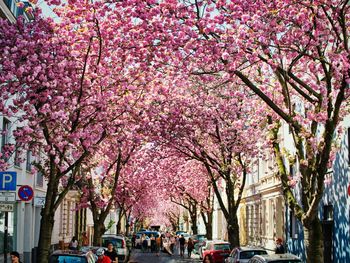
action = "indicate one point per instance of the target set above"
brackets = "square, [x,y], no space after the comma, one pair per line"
[275,258]
[243,254]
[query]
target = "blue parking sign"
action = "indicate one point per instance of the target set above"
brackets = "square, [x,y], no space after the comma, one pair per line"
[8,181]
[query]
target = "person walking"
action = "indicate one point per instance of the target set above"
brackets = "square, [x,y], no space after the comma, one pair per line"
[279,246]
[190,247]
[73,245]
[15,257]
[144,243]
[182,242]
[158,244]
[172,243]
[153,243]
[133,241]
[111,253]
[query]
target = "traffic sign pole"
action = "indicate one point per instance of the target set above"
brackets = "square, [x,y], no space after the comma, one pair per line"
[6,236]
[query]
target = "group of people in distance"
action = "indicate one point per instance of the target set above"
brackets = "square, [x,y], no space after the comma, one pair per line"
[170,243]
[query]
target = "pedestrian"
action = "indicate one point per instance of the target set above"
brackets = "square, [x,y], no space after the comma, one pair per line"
[133,241]
[190,247]
[172,244]
[15,257]
[111,253]
[144,243]
[101,257]
[153,243]
[73,245]
[84,239]
[182,242]
[279,246]
[158,244]
[208,259]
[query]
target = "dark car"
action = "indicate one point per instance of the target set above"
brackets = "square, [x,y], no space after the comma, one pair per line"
[69,256]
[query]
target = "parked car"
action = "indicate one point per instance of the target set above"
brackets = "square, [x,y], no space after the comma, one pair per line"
[203,247]
[243,254]
[275,258]
[70,256]
[218,250]
[119,244]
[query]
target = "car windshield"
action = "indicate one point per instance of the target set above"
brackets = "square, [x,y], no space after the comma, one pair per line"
[67,259]
[221,247]
[117,243]
[250,254]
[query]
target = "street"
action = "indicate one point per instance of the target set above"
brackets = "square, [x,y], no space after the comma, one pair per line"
[139,257]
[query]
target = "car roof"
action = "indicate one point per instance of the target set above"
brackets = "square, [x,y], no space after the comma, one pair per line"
[112,236]
[270,257]
[69,252]
[250,248]
[220,242]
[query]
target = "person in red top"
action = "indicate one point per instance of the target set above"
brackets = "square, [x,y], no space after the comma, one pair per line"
[101,257]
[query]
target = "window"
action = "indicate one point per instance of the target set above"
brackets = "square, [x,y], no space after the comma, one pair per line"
[328,212]
[39,179]
[29,161]
[17,160]
[5,138]
[292,225]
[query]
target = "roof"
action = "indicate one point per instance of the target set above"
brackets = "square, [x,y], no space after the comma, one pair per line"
[278,256]
[69,252]
[250,248]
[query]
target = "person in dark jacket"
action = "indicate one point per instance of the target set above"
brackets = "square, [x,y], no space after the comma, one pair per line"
[190,247]
[279,246]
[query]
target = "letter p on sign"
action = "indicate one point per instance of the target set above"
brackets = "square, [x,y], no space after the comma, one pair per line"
[8,181]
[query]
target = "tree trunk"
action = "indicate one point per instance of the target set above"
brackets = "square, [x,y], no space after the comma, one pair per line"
[313,239]
[209,226]
[194,224]
[119,225]
[47,221]
[233,231]
[99,230]
[46,225]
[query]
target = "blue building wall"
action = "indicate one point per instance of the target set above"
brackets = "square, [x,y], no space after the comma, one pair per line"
[336,195]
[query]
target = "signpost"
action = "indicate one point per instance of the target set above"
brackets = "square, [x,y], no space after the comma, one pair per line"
[25,193]
[8,182]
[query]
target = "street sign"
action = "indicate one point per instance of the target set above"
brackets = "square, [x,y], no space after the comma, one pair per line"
[6,196]
[8,181]
[25,193]
[39,201]
[6,207]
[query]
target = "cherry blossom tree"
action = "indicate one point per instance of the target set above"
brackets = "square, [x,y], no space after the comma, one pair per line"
[211,125]
[68,85]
